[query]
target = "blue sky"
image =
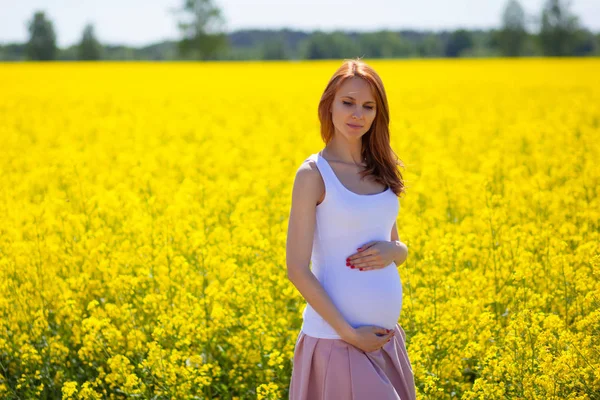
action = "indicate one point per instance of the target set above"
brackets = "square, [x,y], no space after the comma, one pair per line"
[140,22]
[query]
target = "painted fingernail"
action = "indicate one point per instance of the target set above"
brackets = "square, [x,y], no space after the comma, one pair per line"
[361,269]
[353,267]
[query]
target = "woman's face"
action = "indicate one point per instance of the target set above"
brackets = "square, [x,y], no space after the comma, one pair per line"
[353,109]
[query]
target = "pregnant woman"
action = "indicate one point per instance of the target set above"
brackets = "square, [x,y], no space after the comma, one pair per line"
[343,220]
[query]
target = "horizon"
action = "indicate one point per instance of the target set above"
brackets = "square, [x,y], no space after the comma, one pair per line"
[113,27]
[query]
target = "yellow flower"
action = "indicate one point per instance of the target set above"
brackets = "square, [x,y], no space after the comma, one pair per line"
[143,227]
[69,389]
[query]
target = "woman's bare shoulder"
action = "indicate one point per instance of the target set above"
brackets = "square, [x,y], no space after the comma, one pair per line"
[308,183]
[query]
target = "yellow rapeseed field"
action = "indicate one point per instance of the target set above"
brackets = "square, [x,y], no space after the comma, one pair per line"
[144,211]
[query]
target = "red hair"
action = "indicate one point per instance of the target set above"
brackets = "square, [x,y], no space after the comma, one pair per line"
[377,153]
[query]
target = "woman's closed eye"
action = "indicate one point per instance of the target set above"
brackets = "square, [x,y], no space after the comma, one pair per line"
[349,104]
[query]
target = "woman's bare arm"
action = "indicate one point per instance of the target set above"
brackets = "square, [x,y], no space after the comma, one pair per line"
[402,248]
[308,188]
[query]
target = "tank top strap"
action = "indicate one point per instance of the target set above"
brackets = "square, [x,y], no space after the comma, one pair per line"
[329,177]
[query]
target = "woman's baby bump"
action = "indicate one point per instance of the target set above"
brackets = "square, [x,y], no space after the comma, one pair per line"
[371,297]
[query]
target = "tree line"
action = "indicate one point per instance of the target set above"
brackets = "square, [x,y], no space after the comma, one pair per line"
[558,33]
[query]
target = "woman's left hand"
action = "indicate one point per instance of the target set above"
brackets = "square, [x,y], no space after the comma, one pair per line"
[373,255]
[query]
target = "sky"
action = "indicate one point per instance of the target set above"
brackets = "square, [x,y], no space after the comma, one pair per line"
[142,22]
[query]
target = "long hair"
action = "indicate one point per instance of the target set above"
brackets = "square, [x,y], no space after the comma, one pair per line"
[382,162]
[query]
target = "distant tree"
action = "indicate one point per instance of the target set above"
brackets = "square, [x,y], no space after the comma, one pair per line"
[203,30]
[274,49]
[321,45]
[459,41]
[558,33]
[430,46]
[584,43]
[384,44]
[317,46]
[13,52]
[119,52]
[89,48]
[482,45]
[42,39]
[513,35]
[68,53]
[370,45]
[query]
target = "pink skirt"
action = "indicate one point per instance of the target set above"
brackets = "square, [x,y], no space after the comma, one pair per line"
[332,369]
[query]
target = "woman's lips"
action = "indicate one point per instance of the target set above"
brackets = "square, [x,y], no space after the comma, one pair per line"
[354,126]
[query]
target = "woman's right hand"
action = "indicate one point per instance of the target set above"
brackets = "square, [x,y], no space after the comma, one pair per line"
[370,338]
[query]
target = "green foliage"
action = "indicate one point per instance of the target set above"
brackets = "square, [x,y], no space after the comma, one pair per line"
[126,53]
[337,44]
[558,34]
[42,39]
[385,44]
[585,43]
[69,53]
[459,41]
[203,33]
[205,39]
[12,52]
[511,39]
[202,46]
[430,46]
[275,49]
[89,48]
[482,45]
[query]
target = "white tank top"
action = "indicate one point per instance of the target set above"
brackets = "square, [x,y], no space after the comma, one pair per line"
[344,221]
